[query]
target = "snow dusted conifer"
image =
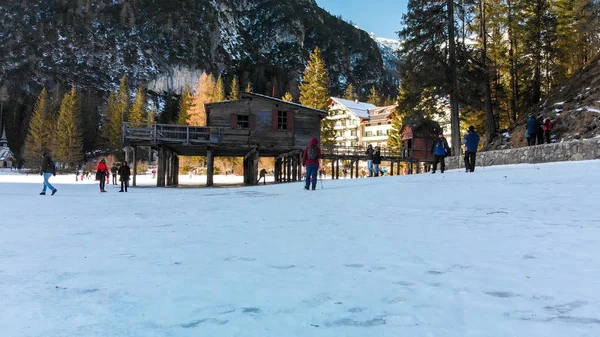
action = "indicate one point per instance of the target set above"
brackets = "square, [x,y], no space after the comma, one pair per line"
[314,89]
[234,94]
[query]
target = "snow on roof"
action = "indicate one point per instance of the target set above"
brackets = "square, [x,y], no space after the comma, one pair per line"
[5,154]
[360,109]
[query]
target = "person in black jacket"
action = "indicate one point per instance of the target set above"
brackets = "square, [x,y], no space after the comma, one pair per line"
[376,160]
[124,173]
[48,170]
[113,170]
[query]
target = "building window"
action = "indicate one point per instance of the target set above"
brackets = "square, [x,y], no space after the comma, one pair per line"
[353,133]
[243,122]
[380,132]
[353,143]
[369,134]
[282,120]
[387,132]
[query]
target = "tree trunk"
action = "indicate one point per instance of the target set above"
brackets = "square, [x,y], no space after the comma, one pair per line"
[513,66]
[537,72]
[489,109]
[454,116]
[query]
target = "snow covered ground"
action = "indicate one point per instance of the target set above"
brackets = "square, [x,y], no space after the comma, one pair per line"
[505,251]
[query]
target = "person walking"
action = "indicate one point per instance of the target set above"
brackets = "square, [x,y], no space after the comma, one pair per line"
[114,170]
[124,174]
[547,127]
[440,150]
[101,174]
[531,131]
[540,129]
[471,141]
[310,159]
[369,154]
[376,160]
[48,170]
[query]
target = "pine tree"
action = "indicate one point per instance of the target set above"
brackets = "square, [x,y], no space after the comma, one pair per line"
[152,114]
[205,93]
[185,103]
[374,97]
[138,110]
[234,94]
[349,93]
[314,89]
[38,138]
[395,138]
[69,140]
[111,129]
[123,99]
[288,97]
[220,91]
[249,87]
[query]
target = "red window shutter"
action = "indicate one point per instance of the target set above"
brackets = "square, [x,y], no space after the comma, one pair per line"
[234,121]
[252,121]
[290,120]
[275,115]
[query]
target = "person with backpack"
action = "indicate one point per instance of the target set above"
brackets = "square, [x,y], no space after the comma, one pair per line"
[440,150]
[124,174]
[376,160]
[531,131]
[369,154]
[48,170]
[310,159]
[102,173]
[471,141]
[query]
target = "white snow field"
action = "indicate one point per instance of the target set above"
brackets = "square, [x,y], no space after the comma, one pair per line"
[505,251]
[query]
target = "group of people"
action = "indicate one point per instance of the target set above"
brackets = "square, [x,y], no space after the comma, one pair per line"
[538,130]
[440,150]
[48,169]
[373,160]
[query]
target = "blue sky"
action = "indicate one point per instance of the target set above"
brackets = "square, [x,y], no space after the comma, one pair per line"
[381,17]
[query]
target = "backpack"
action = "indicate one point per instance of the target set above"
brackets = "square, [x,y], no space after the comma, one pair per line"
[312,152]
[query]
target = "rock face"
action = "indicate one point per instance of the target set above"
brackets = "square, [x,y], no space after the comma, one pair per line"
[167,43]
[586,149]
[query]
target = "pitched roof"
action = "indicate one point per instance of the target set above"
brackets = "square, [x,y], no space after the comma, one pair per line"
[360,109]
[280,101]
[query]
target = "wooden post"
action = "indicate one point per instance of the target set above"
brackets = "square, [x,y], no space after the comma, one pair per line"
[337,169]
[169,168]
[300,175]
[356,171]
[176,170]
[332,173]
[289,169]
[210,167]
[294,168]
[254,161]
[351,169]
[392,168]
[160,174]
[134,167]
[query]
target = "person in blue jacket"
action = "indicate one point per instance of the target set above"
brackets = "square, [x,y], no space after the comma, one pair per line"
[440,150]
[471,141]
[532,128]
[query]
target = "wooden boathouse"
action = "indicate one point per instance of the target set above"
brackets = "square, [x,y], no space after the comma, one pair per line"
[254,126]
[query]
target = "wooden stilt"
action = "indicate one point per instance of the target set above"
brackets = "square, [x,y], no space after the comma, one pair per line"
[294,168]
[134,182]
[160,174]
[210,167]
[289,169]
[356,169]
[176,170]
[337,169]
[392,168]
[351,169]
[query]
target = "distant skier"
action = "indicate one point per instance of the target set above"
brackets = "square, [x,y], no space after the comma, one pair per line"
[124,174]
[310,159]
[101,174]
[471,141]
[440,150]
[48,170]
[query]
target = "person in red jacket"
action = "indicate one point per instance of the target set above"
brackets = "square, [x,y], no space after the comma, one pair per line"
[310,159]
[102,173]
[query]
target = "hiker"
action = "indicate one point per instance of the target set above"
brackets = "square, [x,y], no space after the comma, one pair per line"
[547,126]
[101,174]
[531,131]
[369,154]
[153,173]
[310,159]
[114,170]
[48,170]
[440,150]
[124,174]
[471,141]
[77,170]
[540,129]
[376,160]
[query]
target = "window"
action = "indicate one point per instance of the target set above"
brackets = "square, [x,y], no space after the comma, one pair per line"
[388,131]
[369,134]
[353,143]
[243,122]
[380,132]
[353,133]
[282,120]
